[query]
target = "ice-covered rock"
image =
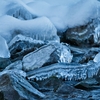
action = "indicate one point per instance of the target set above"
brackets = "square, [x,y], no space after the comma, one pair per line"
[38,57]
[21,45]
[97,58]
[24,38]
[17,9]
[89,55]
[62,54]
[97,34]
[87,84]
[15,65]
[16,87]
[65,71]
[81,35]
[39,28]
[84,55]
[4,51]
[4,62]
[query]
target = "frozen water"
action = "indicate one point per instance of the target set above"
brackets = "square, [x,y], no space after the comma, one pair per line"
[16,8]
[4,52]
[65,71]
[63,53]
[24,38]
[97,34]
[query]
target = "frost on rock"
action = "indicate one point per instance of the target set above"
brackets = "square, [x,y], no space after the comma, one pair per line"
[24,38]
[20,13]
[4,51]
[97,58]
[15,87]
[15,65]
[65,71]
[21,45]
[39,28]
[37,58]
[97,34]
[62,54]
[17,9]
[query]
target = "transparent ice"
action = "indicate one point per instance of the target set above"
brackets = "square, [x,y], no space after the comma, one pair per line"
[4,51]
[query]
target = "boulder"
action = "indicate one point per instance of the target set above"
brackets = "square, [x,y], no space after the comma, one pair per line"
[38,57]
[4,62]
[62,54]
[88,84]
[81,35]
[15,65]
[70,72]
[21,45]
[15,87]
[65,88]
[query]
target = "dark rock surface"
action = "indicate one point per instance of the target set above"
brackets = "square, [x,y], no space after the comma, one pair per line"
[88,84]
[83,35]
[57,89]
[16,87]
[21,45]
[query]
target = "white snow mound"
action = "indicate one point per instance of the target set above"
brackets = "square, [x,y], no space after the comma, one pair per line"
[39,28]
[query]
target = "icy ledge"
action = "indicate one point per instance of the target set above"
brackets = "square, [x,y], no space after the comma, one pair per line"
[65,71]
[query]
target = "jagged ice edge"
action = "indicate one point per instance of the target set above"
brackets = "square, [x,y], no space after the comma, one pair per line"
[65,71]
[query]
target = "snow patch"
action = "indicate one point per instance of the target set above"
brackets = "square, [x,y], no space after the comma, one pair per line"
[66,13]
[39,28]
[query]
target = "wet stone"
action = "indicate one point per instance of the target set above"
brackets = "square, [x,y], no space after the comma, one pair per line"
[21,45]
